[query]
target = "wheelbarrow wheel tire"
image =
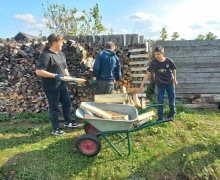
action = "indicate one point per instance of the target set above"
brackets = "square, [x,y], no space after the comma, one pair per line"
[89,129]
[88,144]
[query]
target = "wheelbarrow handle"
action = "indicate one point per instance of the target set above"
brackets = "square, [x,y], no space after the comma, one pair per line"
[149,107]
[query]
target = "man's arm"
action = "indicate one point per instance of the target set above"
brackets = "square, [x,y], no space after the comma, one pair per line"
[118,74]
[66,72]
[174,77]
[43,73]
[96,66]
[143,81]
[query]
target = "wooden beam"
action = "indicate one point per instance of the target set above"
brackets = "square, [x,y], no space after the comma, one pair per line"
[118,116]
[139,82]
[143,103]
[144,68]
[139,56]
[89,116]
[96,111]
[143,121]
[200,106]
[138,62]
[137,103]
[138,75]
[110,98]
[146,115]
[137,50]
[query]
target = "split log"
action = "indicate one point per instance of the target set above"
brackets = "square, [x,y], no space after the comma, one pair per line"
[96,111]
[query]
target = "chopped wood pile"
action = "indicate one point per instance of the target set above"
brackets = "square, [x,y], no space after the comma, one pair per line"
[203,101]
[20,88]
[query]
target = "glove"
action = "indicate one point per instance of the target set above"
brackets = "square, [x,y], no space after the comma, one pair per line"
[115,86]
[58,76]
[94,81]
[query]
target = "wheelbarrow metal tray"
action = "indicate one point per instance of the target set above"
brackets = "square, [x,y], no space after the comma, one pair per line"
[105,125]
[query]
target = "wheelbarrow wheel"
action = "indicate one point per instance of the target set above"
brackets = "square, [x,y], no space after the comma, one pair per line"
[89,129]
[88,144]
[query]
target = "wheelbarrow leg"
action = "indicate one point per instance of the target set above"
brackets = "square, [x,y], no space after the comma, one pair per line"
[112,145]
[129,144]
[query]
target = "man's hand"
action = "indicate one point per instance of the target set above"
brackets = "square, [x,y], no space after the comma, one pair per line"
[58,76]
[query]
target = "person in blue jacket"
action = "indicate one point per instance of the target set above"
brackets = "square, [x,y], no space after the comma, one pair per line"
[106,69]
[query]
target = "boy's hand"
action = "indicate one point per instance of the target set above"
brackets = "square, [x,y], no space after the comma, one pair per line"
[141,89]
[176,83]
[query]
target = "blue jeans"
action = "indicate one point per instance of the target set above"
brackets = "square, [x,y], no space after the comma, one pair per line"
[54,97]
[170,89]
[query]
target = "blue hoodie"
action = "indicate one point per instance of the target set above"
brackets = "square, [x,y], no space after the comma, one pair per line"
[107,66]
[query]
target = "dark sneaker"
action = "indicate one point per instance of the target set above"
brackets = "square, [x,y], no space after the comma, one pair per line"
[171,118]
[70,125]
[58,132]
[159,119]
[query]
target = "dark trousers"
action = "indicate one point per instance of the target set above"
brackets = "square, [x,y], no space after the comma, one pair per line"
[171,96]
[104,87]
[54,97]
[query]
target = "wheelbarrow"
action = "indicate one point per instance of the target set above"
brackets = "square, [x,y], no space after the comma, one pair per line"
[89,144]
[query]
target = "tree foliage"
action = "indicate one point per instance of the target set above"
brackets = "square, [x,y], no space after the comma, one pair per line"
[175,36]
[200,37]
[210,36]
[69,22]
[163,34]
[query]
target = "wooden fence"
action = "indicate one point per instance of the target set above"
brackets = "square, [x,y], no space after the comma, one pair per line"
[121,40]
[197,61]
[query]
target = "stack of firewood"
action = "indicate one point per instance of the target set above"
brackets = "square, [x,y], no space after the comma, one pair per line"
[125,81]
[203,101]
[20,88]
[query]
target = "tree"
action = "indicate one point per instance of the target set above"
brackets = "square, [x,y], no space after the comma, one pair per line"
[175,36]
[200,37]
[65,21]
[210,36]
[163,34]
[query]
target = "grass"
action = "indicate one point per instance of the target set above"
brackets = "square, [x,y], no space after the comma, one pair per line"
[188,148]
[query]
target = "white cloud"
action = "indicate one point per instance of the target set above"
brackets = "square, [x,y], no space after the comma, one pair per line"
[25,17]
[140,16]
[35,27]
[124,31]
[189,19]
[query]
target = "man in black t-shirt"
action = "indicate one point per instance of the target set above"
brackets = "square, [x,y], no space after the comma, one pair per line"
[165,79]
[51,68]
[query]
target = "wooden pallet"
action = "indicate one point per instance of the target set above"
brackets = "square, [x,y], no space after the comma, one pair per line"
[139,60]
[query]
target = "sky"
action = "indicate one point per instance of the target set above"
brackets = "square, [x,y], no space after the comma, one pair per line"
[189,18]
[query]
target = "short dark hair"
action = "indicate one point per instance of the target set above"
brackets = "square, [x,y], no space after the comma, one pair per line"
[159,48]
[110,45]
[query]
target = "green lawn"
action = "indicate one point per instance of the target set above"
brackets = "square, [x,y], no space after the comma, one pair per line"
[188,148]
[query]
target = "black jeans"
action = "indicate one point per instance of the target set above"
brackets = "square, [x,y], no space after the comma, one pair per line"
[54,97]
[104,87]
